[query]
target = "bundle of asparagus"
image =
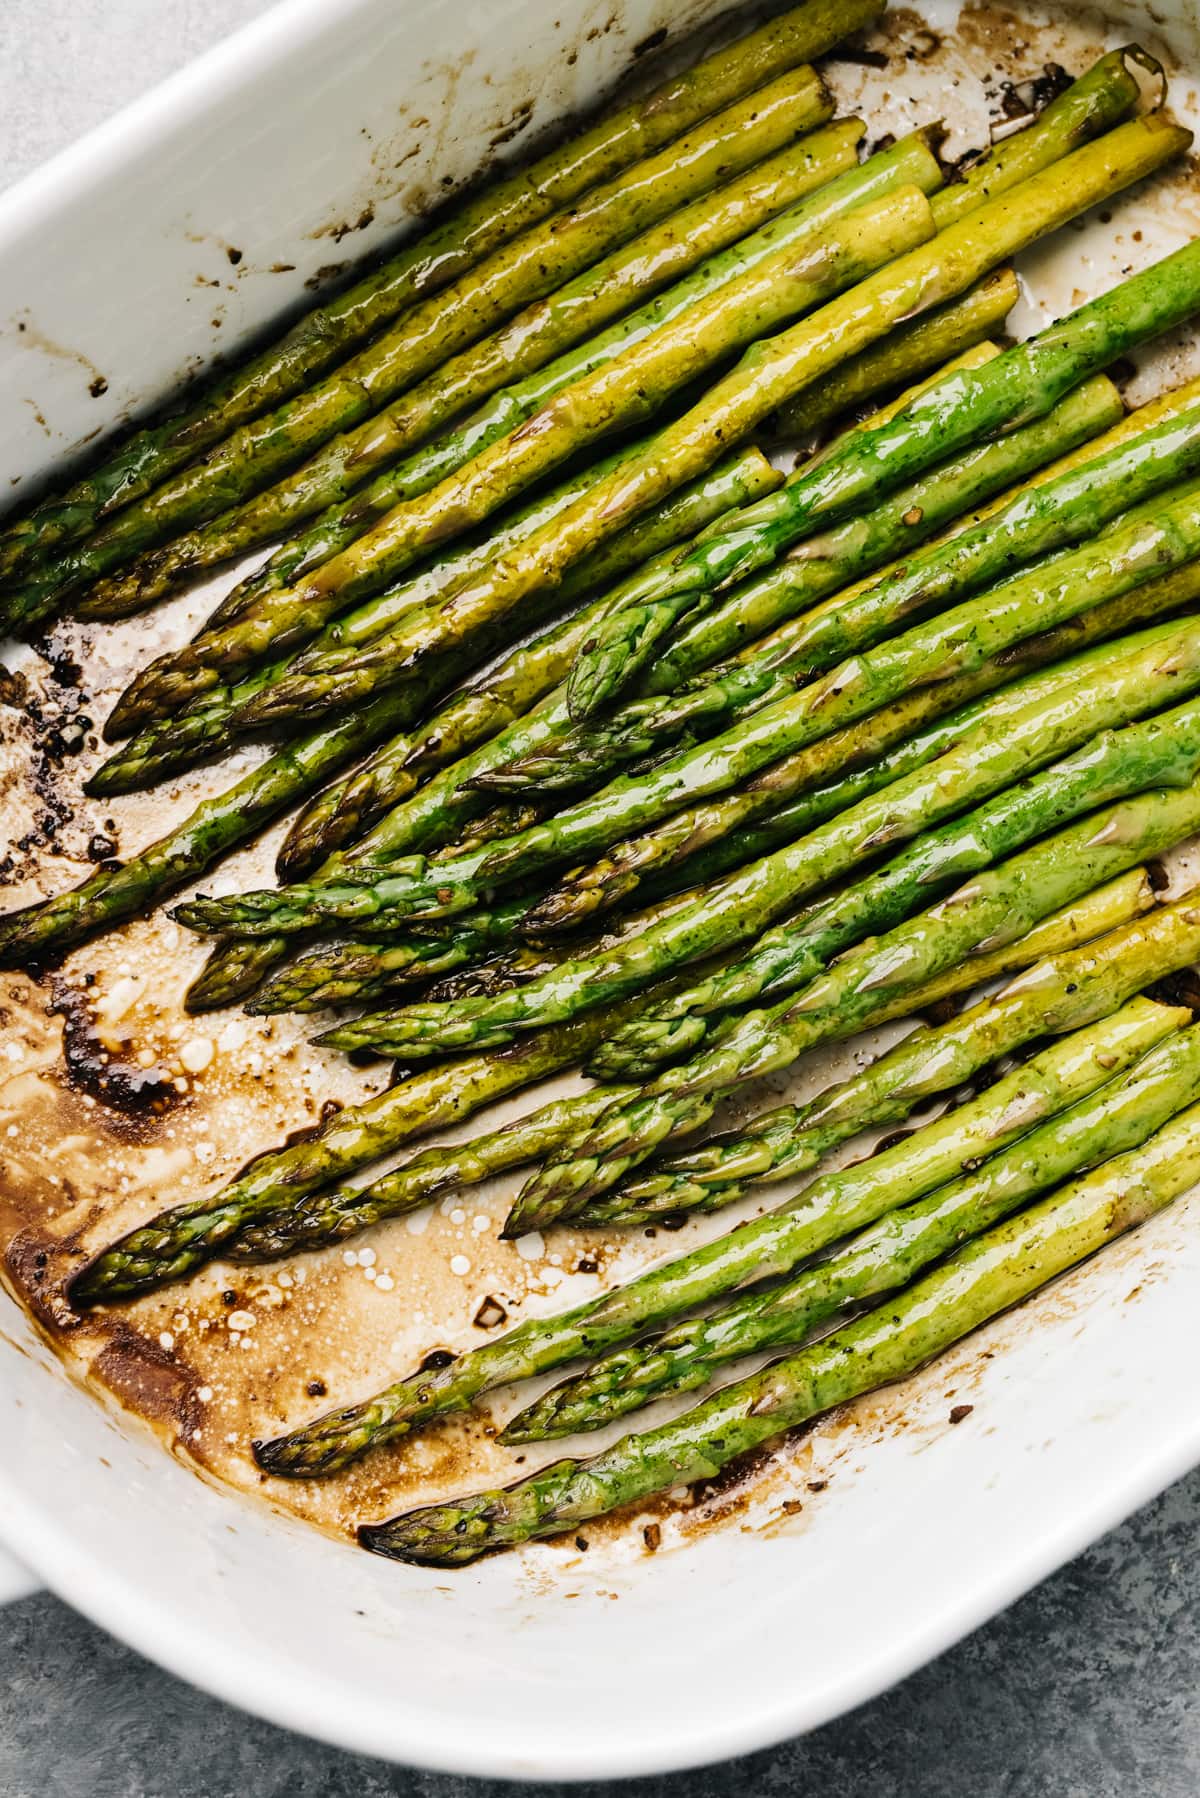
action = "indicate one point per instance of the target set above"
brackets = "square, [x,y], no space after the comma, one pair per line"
[921,717]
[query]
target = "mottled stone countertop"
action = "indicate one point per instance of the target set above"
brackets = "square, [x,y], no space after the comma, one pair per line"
[1089,1688]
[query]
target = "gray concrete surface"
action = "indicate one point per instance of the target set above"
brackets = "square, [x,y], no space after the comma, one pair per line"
[1087,1689]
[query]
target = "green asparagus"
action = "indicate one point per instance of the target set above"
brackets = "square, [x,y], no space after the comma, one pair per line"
[1006,1264]
[468,234]
[770,372]
[1094,1126]
[335,1213]
[538,335]
[525,269]
[999,903]
[767,1247]
[1146,542]
[791,1139]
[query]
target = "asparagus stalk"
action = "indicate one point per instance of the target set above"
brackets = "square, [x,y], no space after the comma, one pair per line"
[1093,1127]
[1130,464]
[212,723]
[977,548]
[219,824]
[186,1236]
[1006,1264]
[331,971]
[341,525]
[1117,762]
[997,904]
[1125,557]
[464,724]
[538,335]
[337,816]
[527,268]
[1025,382]
[336,969]
[769,373]
[791,1139]
[767,1247]
[1091,104]
[336,1213]
[463,238]
[825,259]
[792,796]
[1094,102]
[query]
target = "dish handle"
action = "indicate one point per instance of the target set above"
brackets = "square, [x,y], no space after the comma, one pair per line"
[15,1581]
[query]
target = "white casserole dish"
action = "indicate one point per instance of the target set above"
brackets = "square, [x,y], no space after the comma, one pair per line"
[545,1666]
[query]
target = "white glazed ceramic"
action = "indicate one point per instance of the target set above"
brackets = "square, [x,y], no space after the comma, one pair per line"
[550,1664]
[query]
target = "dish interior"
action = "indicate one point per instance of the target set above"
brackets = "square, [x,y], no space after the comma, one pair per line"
[824,1571]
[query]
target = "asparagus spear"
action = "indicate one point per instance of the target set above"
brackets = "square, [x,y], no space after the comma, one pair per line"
[621,392]
[767,1247]
[469,718]
[185,1237]
[988,1275]
[525,269]
[999,903]
[469,233]
[975,547]
[1126,556]
[769,373]
[1089,105]
[1092,1128]
[335,969]
[221,823]
[1117,762]
[341,525]
[211,723]
[901,522]
[1093,103]
[1030,378]
[538,335]
[339,814]
[792,796]
[1130,465]
[335,1213]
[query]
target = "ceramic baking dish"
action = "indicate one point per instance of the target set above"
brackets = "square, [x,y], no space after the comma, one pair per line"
[545,1665]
